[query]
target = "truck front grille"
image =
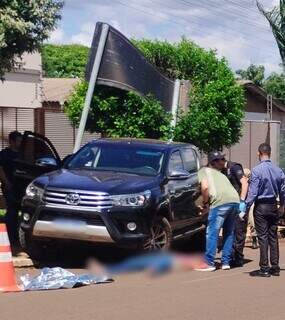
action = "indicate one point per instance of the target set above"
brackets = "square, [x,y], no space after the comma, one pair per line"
[91,219]
[77,198]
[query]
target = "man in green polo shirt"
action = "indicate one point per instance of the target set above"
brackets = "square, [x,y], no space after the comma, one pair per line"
[222,201]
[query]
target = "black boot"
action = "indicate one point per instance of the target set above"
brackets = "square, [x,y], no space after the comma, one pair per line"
[275,272]
[254,243]
[260,273]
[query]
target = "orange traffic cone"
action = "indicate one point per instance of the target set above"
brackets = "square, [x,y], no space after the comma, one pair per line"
[7,272]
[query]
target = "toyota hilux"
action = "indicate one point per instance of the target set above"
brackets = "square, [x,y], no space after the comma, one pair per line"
[126,192]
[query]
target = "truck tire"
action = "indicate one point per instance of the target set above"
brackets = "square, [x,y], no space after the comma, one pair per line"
[160,235]
[35,249]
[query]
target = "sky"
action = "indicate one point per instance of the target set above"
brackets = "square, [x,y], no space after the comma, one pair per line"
[235,28]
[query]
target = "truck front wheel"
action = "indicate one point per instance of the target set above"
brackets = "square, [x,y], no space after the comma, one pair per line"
[37,250]
[160,235]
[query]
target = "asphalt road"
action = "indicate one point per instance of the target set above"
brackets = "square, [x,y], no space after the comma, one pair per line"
[187,295]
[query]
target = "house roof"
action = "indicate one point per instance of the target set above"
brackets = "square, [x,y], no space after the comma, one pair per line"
[58,89]
[255,89]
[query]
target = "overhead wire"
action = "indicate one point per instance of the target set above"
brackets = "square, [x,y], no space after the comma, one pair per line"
[178,19]
[233,31]
[236,14]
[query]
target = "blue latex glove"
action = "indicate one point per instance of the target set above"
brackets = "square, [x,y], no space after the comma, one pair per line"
[242,215]
[242,206]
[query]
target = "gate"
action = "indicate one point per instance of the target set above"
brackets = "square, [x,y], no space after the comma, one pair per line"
[254,133]
[59,130]
[11,119]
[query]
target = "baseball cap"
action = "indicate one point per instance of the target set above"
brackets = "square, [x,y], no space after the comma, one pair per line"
[215,155]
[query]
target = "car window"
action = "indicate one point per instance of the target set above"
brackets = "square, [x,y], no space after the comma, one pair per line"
[121,158]
[190,160]
[175,162]
[34,148]
[87,158]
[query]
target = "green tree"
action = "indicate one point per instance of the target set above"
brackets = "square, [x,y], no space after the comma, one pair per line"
[276,19]
[216,106]
[253,73]
[64,61]
[117,113]
[215,115]
[24,25]
[275,85]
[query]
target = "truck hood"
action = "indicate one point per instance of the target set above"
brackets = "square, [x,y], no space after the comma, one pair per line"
[102,181]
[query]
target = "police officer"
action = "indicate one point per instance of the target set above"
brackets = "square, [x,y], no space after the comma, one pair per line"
[8,184]
[267,183]
[235,173]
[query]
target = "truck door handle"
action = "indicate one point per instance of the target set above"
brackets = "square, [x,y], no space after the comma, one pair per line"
[21,172]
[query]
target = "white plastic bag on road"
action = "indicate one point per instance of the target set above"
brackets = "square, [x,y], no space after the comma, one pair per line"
[58,278]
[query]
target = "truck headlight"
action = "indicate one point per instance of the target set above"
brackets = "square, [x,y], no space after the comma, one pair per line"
[132,200]
[34,192]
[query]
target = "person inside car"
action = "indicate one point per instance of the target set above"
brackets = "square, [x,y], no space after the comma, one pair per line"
[8,184]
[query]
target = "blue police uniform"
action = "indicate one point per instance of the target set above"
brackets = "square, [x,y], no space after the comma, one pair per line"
[267,183]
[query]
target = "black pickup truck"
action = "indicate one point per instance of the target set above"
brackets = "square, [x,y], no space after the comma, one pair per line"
[126,192]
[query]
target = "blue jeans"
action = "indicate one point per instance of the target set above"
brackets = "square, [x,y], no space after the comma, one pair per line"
[221,217]
[158,262]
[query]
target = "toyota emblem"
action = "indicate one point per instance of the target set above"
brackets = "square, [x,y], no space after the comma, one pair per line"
[73,199]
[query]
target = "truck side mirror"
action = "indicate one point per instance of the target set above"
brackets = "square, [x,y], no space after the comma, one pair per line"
[46,162]
[66,159]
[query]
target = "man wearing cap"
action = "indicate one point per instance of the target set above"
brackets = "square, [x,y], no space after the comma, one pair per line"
[221,198]
[235,173]
[267,184]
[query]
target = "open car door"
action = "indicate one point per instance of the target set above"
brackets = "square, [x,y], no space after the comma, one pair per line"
[38,156]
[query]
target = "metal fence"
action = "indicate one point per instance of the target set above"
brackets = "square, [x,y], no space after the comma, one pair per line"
[254,133]
[55,125]
[11,119]
[52,123]
[59,130]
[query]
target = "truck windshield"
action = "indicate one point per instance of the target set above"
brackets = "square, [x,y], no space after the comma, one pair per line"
[120,158]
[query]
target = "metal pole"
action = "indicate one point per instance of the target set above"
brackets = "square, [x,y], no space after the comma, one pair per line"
[91,86]
[175,103]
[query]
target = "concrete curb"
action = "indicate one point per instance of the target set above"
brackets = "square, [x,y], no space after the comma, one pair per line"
[22,262]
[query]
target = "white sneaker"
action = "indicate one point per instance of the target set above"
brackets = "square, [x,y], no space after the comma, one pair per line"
[205,268]
[226,267]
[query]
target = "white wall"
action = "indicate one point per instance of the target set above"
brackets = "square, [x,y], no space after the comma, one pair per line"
[22,87]
[32,61]
[256,116]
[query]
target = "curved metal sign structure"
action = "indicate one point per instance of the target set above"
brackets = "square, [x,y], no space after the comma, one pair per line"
[124,66]
[114,61]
